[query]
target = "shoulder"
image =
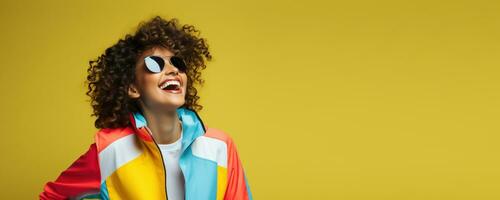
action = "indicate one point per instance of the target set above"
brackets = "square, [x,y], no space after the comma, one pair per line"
[214,140]
[106,136]
[215,145]
[218,134]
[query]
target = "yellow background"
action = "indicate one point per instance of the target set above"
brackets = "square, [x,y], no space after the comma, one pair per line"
[325,99]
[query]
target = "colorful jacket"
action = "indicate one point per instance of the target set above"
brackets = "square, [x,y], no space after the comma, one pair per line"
[126,163]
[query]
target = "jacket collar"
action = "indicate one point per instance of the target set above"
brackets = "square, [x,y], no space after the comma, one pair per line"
[192,126]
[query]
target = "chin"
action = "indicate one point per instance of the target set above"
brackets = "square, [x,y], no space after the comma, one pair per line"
[176,104]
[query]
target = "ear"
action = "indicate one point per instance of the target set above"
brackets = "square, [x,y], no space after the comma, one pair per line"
[133,92]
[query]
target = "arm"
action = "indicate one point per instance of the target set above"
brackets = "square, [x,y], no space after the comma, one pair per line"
[237,185]
[81,178]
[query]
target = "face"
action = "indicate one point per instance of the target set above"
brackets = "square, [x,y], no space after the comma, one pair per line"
[149,87]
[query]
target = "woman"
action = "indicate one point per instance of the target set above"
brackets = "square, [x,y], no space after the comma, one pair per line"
[151,143]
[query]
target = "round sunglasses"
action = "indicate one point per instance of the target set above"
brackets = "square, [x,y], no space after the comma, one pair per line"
[155,64]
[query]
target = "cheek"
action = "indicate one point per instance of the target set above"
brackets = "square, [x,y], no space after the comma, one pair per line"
[150,80]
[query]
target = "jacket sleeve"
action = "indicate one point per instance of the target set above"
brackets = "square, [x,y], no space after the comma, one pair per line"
[81,179]
[237,185]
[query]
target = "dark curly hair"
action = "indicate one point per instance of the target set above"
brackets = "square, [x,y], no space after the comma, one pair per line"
[110,75]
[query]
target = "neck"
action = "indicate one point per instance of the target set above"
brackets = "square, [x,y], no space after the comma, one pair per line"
[165,126]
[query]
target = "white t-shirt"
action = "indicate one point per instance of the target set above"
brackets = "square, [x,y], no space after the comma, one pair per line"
[175,178]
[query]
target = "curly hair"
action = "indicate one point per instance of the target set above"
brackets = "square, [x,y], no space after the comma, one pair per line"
[110,75]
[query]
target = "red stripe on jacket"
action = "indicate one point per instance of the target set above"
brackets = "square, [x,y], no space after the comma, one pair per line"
[83,176]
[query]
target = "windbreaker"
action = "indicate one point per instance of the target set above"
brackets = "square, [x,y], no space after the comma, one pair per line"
[126,163]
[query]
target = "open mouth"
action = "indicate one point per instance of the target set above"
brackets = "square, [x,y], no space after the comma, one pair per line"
[171,86]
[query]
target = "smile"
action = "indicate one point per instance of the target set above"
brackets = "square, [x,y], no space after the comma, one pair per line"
[171,86]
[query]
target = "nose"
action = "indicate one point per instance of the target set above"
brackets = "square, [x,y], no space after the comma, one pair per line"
[171,69]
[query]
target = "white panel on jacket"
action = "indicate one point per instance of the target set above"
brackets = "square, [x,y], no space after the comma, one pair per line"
[210,149]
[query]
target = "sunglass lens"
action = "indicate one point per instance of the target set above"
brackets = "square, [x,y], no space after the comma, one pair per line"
[154,64]
[179,63]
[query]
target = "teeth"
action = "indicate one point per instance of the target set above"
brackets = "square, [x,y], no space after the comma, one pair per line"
[166,84]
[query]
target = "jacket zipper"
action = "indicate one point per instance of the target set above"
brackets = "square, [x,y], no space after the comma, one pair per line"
[162,162]
[182,153]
